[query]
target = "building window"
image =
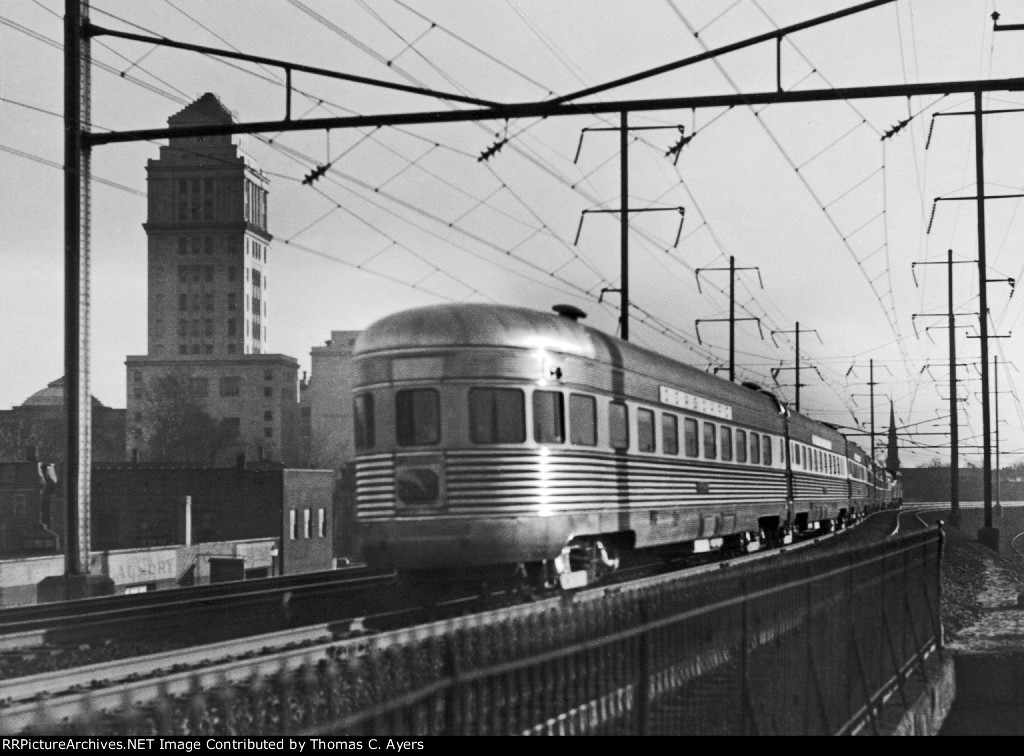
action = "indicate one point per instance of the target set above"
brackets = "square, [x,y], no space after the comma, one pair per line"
[268,391]
[268,375]
[231,272]
[268,432]
[230,386]
[207,348]
[183,301]
[268,416]
[293,524]
[208,302]
[182,349]
[199,386]
[232,327]
[183,328]
[208,327]
[232,301]
[321,522]
[306,523]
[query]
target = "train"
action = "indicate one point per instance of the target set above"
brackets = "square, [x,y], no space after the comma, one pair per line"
[507,442]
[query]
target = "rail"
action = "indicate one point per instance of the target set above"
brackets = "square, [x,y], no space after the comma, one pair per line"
[812,644]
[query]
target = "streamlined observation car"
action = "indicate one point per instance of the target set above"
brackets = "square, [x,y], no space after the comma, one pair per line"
[501,436]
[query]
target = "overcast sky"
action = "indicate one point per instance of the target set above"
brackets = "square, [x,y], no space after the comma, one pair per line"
[830,214]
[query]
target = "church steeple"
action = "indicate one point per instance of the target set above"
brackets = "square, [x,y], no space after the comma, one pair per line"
[892,457]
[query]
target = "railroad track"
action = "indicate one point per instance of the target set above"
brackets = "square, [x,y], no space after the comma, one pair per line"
[205,613]
[143,680]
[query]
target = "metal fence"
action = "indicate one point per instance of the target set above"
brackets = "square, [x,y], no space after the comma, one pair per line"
[806,645]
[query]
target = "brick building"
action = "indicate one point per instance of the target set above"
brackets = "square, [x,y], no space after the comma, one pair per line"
[138,505]
[31,520]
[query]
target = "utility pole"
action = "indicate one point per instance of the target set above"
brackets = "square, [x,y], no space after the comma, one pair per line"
[624,228]
[871,393]
[732,311]
[987,534]
[76,582]
[624,211]
[954,426]
[796,360]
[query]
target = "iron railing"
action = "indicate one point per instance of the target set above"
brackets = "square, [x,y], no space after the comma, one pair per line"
[809,644]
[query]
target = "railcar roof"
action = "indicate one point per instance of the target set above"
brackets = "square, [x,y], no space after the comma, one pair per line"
[449,326]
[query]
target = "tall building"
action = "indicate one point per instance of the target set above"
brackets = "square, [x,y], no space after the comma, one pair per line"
[208,243]
[326,403]
[208,256]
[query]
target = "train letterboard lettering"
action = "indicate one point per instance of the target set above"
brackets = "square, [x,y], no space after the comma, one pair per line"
[686,401]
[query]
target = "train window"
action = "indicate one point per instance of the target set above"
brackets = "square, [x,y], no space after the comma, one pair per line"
[782,450]
[618,425]
[363,411]
[766,449]
[582,420]
[670,433]
[548,417]
[726,443]
[417,417]
[690,437]
[710,437]
[741,445]
[645,430]
[755,449]
[497,416]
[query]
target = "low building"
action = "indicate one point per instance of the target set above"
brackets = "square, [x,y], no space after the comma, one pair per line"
[38,423]
[31,518]
[144,505]
[254,398]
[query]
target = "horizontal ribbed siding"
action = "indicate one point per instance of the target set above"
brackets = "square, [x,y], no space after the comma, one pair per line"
[510,482]
[375,486]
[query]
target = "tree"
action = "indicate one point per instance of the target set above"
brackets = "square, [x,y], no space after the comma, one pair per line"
[179,427]
[43,432]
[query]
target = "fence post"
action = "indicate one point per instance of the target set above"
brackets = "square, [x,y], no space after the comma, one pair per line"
[641,686]
[451,694]
[937,616]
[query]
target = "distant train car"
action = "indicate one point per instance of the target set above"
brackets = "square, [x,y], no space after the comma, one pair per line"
[493,437]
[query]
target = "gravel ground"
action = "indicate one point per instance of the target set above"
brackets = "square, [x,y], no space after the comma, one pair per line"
[967,566]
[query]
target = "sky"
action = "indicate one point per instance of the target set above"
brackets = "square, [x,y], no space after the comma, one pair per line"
[827,209]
